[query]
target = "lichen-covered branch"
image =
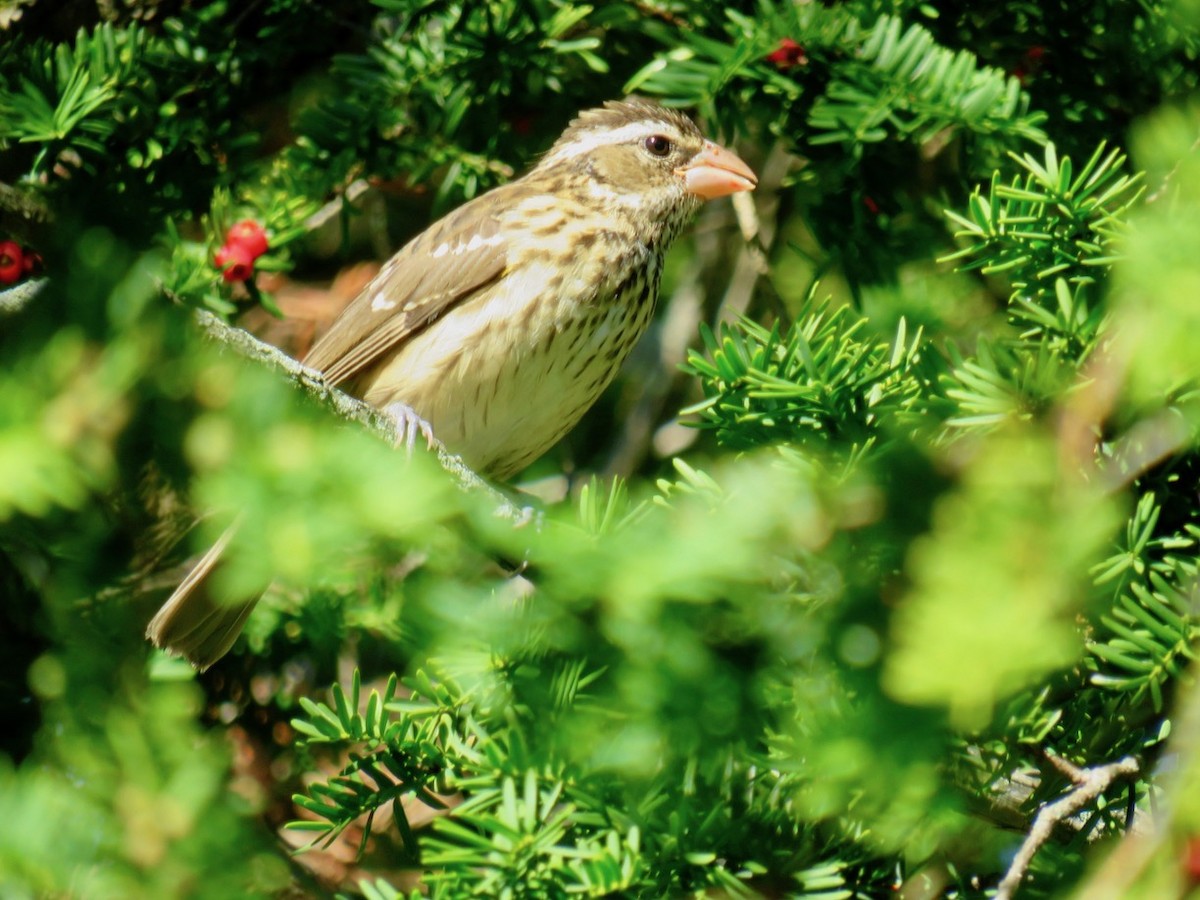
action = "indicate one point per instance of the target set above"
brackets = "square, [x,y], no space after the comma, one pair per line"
[15,299]
[314,384]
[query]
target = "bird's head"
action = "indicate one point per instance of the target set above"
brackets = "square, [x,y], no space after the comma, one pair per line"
[646,158]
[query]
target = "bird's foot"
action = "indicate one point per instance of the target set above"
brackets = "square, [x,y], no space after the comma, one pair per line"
[408,425]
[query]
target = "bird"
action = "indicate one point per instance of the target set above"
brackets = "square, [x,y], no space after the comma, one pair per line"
[497,328]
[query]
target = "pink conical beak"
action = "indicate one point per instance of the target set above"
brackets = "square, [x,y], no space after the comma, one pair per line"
[715,172]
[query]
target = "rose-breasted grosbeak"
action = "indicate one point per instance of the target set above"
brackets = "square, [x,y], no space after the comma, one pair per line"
[500,324]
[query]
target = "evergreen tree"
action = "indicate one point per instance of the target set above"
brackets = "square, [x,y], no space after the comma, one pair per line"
[875,574]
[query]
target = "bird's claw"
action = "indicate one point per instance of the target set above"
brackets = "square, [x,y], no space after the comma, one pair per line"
[408,425]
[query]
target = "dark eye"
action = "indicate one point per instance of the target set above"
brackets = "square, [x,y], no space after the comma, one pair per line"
[658,145]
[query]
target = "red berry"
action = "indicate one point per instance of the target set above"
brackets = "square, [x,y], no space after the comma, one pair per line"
[1029,65]
[788,54]
[248,234]
[235,262]
[12,262]
[32,263]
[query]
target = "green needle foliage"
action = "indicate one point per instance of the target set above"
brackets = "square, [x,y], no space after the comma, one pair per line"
[824,381]
[932,526]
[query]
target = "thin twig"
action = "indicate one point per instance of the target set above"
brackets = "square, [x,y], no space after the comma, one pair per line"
[335,207]
[757,221]
[1161,190]
[1089,784]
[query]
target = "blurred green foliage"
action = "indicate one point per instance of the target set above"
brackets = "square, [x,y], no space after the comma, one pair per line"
[940,522]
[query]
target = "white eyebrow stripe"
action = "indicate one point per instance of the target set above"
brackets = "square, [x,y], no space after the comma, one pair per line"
[589,141]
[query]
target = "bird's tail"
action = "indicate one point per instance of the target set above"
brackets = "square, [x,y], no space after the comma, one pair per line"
[194,625]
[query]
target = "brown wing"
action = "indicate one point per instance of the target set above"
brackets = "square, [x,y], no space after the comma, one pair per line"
[440,268]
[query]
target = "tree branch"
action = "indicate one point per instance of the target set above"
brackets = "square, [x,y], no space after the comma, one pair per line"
[312,383]
[350,408]
[15,299]
[1089,784]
